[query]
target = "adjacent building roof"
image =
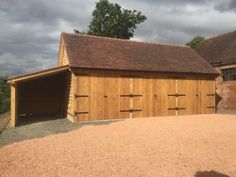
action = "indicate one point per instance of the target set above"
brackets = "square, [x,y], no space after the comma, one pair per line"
[219,50]
[85,51]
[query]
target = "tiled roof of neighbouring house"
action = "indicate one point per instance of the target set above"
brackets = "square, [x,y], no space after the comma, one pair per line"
[219,50]
[85,51]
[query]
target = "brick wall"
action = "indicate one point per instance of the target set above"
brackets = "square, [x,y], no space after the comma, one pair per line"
[226,93]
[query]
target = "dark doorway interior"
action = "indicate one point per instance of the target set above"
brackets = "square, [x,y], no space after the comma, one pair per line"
[44,98]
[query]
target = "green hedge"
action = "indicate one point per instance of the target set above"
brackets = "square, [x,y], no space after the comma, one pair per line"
[4,95]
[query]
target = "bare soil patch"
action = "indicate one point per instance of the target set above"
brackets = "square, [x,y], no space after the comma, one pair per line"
[184,146]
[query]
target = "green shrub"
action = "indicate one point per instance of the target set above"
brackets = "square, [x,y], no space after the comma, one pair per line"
[196,42]
[4,95]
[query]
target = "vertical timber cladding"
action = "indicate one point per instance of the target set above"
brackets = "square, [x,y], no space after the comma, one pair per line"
[149,100]
[169,100]
[97,97]
[156,101]
[104,97]
[147,97]
[187,96]
[194,96]
[82,103]
[155,97]
[131,97]
[108,97]
[206,96]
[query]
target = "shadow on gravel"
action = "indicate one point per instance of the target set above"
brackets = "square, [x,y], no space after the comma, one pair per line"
[25,120]
[210,174]
[41,127]
[100,122]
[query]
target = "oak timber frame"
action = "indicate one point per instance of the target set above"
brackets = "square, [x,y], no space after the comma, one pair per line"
[84,108]
[87,99]
[14,86]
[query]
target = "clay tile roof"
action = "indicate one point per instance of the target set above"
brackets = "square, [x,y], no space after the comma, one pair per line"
[85,51]
[219,50]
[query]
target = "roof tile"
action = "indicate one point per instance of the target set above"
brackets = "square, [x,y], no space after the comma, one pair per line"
[87,51]
[219,50]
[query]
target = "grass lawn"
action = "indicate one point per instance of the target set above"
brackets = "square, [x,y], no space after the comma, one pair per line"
[184,146]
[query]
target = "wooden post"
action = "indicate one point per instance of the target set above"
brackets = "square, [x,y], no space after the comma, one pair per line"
[214,91]
[131,80]
[13,105]
[176,98]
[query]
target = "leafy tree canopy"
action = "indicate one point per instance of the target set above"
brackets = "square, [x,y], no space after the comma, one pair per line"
[4,95]
[196,42]
[110,20]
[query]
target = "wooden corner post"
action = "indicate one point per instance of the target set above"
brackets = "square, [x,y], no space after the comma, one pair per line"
[14,105]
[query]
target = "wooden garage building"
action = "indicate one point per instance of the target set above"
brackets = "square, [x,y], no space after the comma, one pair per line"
[101,78]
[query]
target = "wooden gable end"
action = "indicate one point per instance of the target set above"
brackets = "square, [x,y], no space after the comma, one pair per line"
[62,57]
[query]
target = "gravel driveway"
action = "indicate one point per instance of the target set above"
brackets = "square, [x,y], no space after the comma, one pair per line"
[184,146]
[35,130]
[39,128]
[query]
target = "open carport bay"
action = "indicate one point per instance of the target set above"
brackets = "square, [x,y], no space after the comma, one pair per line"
[40,95]
[43,96]
[186,146]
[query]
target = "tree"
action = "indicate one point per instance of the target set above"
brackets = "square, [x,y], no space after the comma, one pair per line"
[111,20]
[196,42]
[4,95]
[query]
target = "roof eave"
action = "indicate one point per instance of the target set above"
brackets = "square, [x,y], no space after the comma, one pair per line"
[38,74]
[216,73]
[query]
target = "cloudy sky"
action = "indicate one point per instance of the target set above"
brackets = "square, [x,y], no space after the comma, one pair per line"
[30,29]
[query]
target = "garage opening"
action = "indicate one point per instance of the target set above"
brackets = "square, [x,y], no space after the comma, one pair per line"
[42,98]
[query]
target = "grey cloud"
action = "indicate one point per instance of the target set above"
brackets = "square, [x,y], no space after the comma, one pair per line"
[30,29]
[20,48]
[227,5]
[44,11]
[11,64]
[9,69]
[169,3]
[179,24]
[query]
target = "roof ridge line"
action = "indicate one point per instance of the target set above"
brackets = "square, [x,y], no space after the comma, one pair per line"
[218,35]
[126,40]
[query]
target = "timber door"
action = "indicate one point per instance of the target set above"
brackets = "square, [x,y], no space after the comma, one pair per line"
[82,100]
[111,98]
[158,98]
[206,92]
[105,97]
[148,97]
[136,97]
[130,97]
[151,100]
[168,97]
[125,91]
[97,97]
[187,97]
